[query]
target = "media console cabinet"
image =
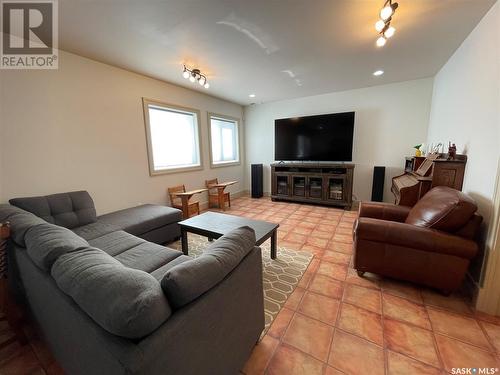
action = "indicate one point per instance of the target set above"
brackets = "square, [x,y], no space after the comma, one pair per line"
[322,183]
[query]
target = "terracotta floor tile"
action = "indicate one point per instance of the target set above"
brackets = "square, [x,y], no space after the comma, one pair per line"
[316,241]
[493,332]
[317,251]
[295,237]
[452,303]
[459,354]
[366,298]
[309,336]
[289,361]
[487,317]
[261,355]
[336,257]
[314,220]
[319,307]
[327,286]
[292,222]
[405,310]
[332,371]
[345,238]
[333,270]
[402,289]
[368,280]
[398,364]
[343,230]
[354,355]
[458,326]
[322,234]
[340,247]
[330,228]
[361,322]
[280,324]
[294,299]
[307,224]
[302,230]
[415,342]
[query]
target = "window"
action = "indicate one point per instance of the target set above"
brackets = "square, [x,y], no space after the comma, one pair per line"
[224,140]
[172,136]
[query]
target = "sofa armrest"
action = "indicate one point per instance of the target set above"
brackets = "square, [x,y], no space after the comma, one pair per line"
[411,236]
[384,211]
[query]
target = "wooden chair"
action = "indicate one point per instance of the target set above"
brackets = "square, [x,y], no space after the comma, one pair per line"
[193,208]
[213,193]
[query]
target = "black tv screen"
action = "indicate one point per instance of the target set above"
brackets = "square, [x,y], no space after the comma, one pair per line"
[316,138]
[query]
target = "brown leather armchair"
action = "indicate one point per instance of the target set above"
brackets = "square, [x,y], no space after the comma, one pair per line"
[430,244]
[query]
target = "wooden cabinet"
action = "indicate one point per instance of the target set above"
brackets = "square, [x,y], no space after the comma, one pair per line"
[322,183]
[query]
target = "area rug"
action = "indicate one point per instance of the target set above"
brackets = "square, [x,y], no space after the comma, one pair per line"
[280,276]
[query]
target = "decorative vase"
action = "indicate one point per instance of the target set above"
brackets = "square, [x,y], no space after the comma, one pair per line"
[418,153]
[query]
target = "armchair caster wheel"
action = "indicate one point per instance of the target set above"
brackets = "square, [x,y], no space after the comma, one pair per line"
[360,273]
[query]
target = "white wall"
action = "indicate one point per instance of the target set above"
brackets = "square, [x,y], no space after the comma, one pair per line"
[82,127]
[465,110]
[390,120]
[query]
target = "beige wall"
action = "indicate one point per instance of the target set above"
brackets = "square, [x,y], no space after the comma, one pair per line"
[82,127]
[390,120]
[466,110]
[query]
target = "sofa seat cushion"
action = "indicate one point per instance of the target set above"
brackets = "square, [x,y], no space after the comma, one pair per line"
[126,302]
[116,242]
[69,210]
[94,230]
[47,242]
[442,208]
[147,256]
[188,280]
[20,222]
[142,219]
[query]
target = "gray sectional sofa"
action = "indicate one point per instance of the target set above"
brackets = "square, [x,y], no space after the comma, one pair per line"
[110,299]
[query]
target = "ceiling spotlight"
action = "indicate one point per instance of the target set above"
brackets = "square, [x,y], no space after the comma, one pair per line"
[251,96]
[195,75]
[381,41]
[379,25]
[383,26]
[389,32]
[378,73]
[386,13]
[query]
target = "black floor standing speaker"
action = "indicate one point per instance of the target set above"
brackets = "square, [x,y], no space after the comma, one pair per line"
[257,181]
[378,184]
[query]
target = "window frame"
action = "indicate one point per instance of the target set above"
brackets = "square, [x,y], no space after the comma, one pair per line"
[238,141]
[174,107]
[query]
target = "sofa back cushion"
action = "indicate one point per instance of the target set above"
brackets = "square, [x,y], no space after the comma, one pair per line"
[47,242]
[69,210]
[124,301]
[20,221]
[187,281]
[442,208]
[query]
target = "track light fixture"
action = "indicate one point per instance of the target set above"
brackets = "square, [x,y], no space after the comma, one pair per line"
[383,26]
[195,75]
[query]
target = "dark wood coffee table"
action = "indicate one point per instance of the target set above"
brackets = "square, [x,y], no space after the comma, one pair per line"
[214,225]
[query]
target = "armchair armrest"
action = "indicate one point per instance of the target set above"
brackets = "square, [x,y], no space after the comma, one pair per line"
[407,235]
[384,211]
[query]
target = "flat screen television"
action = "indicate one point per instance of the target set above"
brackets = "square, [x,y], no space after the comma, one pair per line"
[314,138]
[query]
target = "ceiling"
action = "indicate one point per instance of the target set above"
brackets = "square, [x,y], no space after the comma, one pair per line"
[275,49]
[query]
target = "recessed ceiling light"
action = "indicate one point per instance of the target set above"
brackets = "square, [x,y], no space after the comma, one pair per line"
[252,95]
[378,73]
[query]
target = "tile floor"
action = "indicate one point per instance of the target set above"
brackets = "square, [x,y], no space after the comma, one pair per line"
[336,322]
